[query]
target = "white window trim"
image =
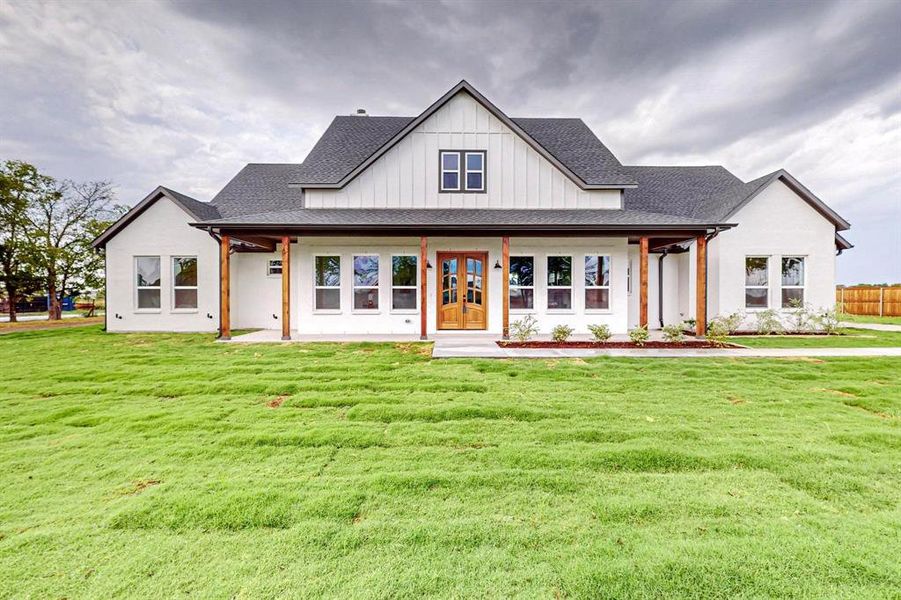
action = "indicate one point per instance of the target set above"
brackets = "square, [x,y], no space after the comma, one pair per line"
[404,311]
[599,311]
[172,260]
[548,287]
[327,311]
[354,287]
[458,171]
[802,287]
[756,287]
[467,171]
[269,265]
[137,287]
[524,311]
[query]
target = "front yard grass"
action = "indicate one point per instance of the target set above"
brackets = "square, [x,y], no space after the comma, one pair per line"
[170,465]
[849,338]
[869,319]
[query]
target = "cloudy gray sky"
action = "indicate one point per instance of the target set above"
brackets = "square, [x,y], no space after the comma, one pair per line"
[184,93]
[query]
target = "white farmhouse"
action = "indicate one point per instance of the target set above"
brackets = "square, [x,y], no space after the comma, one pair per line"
[464,219]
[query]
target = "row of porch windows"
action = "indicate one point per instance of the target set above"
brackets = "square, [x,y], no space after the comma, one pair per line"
[327,282]
[559,287]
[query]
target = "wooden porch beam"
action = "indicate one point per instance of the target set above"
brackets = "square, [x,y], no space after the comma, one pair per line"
[701,288]
[286,288]
[225,330]
[423,286]
[505,284]
[643,283]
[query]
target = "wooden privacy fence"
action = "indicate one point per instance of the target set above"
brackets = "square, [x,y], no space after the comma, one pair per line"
[882,301]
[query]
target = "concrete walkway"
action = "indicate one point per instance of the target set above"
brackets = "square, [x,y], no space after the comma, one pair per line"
[871,326]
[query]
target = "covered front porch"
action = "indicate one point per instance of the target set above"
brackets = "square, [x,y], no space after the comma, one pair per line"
[464,283]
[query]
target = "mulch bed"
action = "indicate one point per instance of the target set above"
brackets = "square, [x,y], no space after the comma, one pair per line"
[656,345]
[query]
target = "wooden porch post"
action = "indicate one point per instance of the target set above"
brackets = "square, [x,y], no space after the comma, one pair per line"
[505,285]
[225,330]
[423,286]
[286,287]
[643,283]
[701,290]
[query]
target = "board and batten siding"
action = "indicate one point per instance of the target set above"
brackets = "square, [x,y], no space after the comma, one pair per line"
[516,175]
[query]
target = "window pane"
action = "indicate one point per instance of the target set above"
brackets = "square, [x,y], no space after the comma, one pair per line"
[185,271]
[366,298]
[474,162]
[149,298]
[451,181]
[148,270]
[559,299]
[522,298]
[328,299]
[473,181]
[793,271]
[185,298]
[597,270]
[403,270]
[756,298]
[366,270]
[756,270]
[328,270]
[597,298]
[451,161]
[559,270]
[522,270]
[792,297]
[404,299]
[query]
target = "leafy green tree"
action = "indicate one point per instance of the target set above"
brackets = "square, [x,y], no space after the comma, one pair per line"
[62,225]
[20,184]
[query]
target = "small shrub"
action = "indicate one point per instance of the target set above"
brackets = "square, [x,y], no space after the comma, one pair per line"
[802,317]
[524,329]
[768,322]
[733,321]
[718,331]
[600,332]
[828,321]
[561,333]
[639,336]
[690,323]
[673,333]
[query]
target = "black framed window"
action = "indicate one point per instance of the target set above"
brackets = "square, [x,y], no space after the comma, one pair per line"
[462,171]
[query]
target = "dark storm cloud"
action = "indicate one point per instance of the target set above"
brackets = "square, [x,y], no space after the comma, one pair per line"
[184,93]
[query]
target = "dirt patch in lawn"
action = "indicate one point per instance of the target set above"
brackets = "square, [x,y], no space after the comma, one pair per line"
[139,486]
[615,345]
[276,402]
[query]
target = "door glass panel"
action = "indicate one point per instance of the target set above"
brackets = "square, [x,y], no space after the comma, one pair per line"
[449,271]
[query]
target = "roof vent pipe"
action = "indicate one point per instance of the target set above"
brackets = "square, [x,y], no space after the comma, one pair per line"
[361,112]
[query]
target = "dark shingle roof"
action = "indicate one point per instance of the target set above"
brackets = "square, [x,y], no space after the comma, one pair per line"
[346,143]
[454,217]
[575,145]
[349,141]
[201,210]
[696,192]
[259,187]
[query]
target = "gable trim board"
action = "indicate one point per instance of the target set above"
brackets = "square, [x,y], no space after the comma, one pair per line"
[465,87]
[196,209]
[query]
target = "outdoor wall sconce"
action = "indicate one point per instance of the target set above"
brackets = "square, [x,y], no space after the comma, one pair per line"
[209,316]
[497,264]
[428,264]
[274,316]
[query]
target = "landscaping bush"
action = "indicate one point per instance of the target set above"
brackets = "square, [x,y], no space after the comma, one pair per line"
[639,336]
[673,333]
[828,321]
[801,317]
[561,333]
[733,321]
[768,322]
[718,331]
[600,332]
[524,329]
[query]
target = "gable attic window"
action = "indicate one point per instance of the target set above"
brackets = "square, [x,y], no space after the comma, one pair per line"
[462,171]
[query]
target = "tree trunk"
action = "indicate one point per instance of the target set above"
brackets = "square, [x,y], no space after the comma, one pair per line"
[13,298]
[53,312]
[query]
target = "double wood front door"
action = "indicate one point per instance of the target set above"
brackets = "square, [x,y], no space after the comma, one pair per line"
[462,290]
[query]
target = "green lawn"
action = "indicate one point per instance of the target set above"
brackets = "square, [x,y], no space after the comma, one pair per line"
[169,466]
[849,338]
[869,319]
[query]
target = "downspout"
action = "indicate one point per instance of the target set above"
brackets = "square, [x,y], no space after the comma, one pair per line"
[708,237]
[105,290]
[218,239]
[660,286]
